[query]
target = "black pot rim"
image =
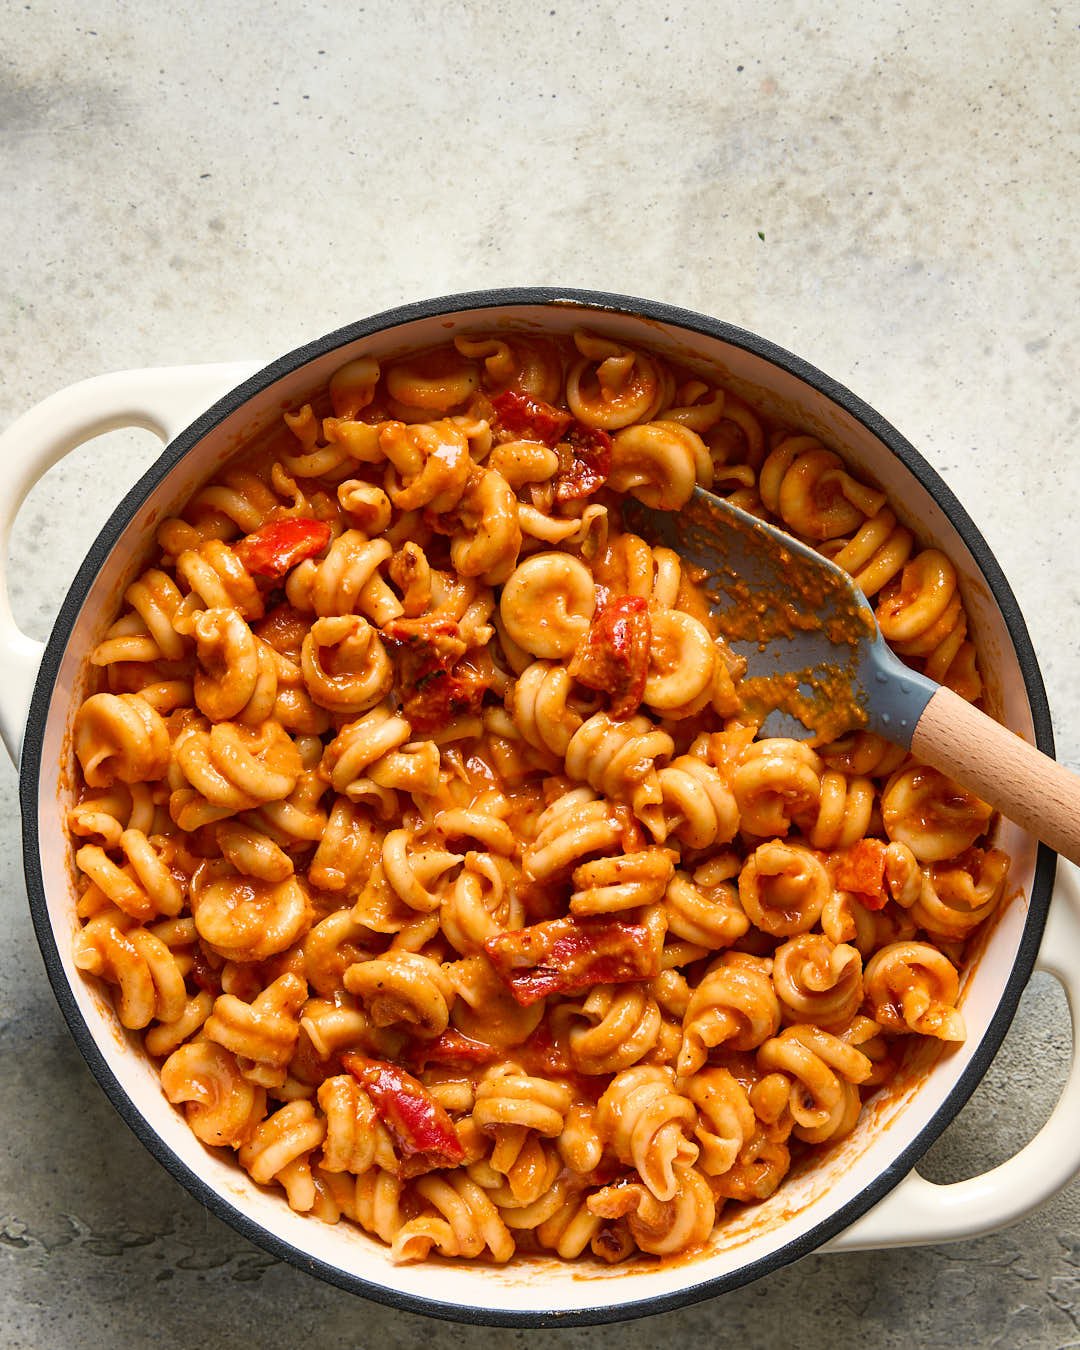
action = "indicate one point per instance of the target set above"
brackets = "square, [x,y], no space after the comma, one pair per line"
[30,770]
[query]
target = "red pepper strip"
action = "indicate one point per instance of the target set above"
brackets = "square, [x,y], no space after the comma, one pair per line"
[274,549]
[452,1048]
[561,956]
[861,868]
[416,1121]
[613,655]
[590,463]
[530,418]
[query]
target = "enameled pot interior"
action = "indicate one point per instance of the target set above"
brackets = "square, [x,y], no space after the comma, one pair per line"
[809,1208]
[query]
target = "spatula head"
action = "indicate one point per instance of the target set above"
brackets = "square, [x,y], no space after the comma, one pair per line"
[817,665]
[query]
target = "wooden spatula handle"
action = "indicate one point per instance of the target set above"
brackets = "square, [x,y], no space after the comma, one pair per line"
[1023,783]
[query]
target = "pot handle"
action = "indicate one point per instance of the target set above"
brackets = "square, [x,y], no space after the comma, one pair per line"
[163,401]
[918,1211]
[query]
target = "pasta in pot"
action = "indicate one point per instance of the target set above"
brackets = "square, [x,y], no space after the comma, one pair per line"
[424,839]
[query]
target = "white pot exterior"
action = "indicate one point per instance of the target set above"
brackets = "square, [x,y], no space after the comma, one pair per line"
[808,1209]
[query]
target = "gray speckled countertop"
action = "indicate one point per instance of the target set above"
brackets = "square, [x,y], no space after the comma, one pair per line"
[232,180]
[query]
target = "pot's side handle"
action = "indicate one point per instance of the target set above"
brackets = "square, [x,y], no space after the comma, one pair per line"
[163,401]
[919,1211]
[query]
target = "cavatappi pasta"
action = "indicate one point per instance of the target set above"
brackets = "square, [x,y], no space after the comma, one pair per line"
[422,837]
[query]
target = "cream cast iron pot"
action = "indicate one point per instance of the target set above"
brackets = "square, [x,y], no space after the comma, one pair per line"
[864,1192]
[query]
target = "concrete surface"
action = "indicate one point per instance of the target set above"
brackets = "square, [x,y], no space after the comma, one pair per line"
[232,179]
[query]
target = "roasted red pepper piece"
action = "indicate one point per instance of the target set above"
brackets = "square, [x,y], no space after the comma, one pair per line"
[423,647]
[433,684]
[613,656]
[587,455]
[861,868]
[452,1048]
[418,1125]
[564,955]
[442,697]
[529,418]
[275,549]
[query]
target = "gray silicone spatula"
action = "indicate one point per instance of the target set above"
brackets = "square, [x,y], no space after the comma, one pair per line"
[817,665]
